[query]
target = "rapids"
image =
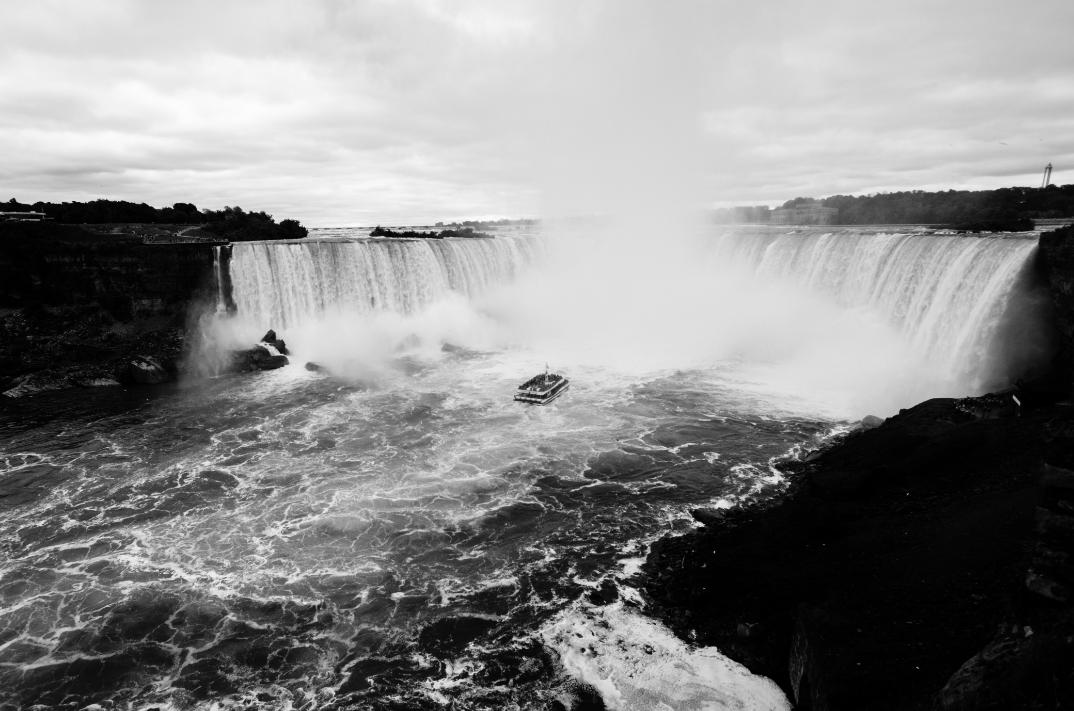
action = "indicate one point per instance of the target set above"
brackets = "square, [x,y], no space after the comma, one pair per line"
[404,535]
[290,539]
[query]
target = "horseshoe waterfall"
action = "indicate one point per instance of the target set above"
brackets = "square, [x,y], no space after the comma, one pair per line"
[392,530]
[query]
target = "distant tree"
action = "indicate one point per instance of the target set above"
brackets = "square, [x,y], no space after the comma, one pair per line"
[237,225]
[14,205]
[1005,206]
[233,222]
[292,229]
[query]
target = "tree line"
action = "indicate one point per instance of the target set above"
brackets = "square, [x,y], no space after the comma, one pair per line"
[1004,206]
[232,223]
[952,206]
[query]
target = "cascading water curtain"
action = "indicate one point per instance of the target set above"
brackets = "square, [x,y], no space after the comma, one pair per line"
[284,284]
[946,293]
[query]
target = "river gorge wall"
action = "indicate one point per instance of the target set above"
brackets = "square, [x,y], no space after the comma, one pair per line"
[1056,263]
[74,304]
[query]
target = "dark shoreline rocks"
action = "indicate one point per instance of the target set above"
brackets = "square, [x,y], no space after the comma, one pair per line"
[57,348]
[899,556]
[145,370]
[256,358]
[268,354]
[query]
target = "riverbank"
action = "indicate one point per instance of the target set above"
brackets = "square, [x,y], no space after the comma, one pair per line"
[899,554]
[925,563]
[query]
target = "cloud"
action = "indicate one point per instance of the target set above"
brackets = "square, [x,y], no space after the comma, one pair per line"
[360,112]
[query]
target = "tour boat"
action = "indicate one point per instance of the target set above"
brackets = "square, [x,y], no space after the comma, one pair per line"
[542,389]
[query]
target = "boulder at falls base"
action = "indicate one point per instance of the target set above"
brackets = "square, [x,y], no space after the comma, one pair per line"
[256,358]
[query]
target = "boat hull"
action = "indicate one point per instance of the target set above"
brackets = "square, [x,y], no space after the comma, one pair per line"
[543,397]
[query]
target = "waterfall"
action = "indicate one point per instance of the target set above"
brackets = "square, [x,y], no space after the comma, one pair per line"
[222,279]
[285,283]
[951,296]
[940,312]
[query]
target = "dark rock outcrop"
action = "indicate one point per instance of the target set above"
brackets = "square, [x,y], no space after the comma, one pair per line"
[277,343]
[898,558]
[1056,261]
[270,353]
[256,358]
[77,306]
[145,370]
[870,421]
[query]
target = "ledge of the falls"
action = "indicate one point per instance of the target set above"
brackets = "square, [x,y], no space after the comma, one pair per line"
[923,563]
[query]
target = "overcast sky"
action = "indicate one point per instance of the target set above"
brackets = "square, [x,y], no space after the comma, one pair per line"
[343,113]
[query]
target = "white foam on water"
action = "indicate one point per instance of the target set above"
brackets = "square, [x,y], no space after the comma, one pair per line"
[636,663]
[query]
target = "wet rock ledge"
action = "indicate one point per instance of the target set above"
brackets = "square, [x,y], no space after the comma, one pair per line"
[921,564]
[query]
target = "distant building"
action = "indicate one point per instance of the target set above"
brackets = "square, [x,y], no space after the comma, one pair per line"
[810,213]
[22,216]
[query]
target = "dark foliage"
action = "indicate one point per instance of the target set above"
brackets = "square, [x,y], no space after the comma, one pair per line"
[237,225]
[486,224]
[953,207]
[379,231]
[96,212]
[1005,209]
[232,223]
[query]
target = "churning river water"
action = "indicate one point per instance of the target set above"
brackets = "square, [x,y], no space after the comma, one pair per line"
[404,538]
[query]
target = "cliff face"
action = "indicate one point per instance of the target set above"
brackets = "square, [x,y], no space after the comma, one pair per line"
[900,554]
[73,304]
[1057,264]
[53,266]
